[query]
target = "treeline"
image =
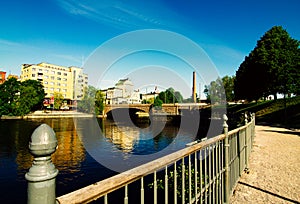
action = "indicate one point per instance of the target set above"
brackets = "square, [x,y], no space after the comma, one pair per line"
[20,98]
[271,68]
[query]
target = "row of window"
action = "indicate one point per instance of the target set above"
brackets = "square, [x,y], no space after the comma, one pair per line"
[57,89]
[52,83]
[48,71]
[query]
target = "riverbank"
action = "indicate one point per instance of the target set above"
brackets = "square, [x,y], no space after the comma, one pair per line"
[49,114]
[274,175]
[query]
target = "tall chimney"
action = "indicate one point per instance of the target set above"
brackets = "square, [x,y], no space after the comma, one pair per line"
[194,96]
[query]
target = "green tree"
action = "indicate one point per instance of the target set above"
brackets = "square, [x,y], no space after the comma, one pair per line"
[58,100]
[10,92]
[87,104]
[228,84]
[271,68]
[170,96]
[157,103]
[99,102]
[215,92]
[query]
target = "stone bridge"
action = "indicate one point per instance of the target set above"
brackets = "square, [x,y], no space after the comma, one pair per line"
[169,109]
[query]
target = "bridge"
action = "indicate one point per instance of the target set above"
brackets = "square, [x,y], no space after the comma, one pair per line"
[169,109]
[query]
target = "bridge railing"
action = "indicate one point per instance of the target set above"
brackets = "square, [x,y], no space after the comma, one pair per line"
[204,172]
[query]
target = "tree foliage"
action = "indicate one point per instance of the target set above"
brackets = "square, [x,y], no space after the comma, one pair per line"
[215,92]
[20,98]
[93,101]
[271,68]
[170,96]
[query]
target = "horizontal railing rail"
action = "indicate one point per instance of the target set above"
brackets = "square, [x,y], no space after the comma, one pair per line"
[205,172]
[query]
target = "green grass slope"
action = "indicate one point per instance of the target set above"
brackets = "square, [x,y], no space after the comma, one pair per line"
[272,112]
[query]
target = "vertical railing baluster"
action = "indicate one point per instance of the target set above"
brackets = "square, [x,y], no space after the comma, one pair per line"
[196,177]
[209,174]
[105,199]
[200,172]
[126,195]
[142,191]
[225,126]
[213,173]
[190,180]
[175,183]
[217,171]
[205,175]
[155,188]
[183,182]
[166,185]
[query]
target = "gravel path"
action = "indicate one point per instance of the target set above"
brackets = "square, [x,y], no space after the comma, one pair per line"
[274,175]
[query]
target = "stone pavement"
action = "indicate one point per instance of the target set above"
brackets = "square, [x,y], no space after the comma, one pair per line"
[274,175]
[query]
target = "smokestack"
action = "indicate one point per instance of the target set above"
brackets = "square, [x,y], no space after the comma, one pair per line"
[194,96]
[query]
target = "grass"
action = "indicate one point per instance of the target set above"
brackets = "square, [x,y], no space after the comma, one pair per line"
[272,112]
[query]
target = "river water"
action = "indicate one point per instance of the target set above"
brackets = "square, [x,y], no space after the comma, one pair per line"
[89,150]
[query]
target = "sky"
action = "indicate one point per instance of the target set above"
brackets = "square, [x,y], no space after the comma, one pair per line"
[74,33]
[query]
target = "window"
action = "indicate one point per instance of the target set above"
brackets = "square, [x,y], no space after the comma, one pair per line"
[64,79]
[33,75]
[64,95]
[58,84]
[52,83]
[58,89]
[58,73]
[65,74]
[64,85]
[33,69]
[46,76]
[45,82]
[58,78]
[51,89]
[52,72]
[46,71]
[40,70]
[64,90]
[52,77]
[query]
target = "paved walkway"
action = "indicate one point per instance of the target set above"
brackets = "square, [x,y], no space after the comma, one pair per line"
[274,175]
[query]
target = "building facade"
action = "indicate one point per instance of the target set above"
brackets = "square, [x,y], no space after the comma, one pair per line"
[122,93]
[2,77]
[68,81]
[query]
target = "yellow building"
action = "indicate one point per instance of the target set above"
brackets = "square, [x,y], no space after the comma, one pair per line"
[68,81]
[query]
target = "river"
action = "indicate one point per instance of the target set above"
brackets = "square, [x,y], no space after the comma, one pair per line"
[120,146]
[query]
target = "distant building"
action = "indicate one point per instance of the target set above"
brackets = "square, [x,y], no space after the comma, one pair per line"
[68,81]
[151,95]
[2,77]
[13,76]
[122,93]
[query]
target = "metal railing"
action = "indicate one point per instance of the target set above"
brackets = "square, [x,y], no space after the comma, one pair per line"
[205,172]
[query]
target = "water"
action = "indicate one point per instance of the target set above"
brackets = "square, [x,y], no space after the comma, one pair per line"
[77,168]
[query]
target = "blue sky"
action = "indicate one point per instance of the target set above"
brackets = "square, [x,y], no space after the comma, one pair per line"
[66,32]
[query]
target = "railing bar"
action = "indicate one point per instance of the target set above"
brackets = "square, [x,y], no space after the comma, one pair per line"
[190,180]
[183,182]
[209,173]
[217,172]
[166,185]
[142,191]
[175,183]
[155,188]
[126,195]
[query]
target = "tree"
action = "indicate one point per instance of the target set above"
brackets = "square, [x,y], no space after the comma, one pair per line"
[87,104]
[9,95]
[157,103]
[215,91]
[99,102]
[228,84]
[170,96]
[58,100]
[271,68]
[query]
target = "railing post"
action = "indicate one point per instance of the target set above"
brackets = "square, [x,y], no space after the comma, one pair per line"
[246,143]
[41,176]
[227,188]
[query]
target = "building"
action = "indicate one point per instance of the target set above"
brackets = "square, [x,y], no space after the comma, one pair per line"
[150,96]
[2,77]
[122,93]
[68,81]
